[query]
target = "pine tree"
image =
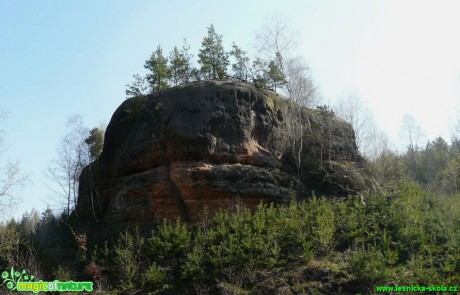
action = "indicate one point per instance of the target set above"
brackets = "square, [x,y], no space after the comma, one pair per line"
[241,65]
[159,72]
[95,141]
[180,68]
[267,74]
[176,66]
[137,88]
[187,67]
[195,75]
[275,75]
[212,57]
[259,73]
[29,222]
[47,216]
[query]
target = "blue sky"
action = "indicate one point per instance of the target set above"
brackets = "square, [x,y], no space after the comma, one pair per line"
[60,58]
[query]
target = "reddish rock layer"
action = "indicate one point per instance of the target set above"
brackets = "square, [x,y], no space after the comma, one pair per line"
[210,143]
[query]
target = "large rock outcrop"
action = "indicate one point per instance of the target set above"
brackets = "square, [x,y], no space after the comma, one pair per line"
[210,143]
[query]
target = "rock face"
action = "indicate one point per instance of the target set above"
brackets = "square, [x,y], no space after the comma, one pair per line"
[211,143]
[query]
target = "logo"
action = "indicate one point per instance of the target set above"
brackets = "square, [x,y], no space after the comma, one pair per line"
[24,282]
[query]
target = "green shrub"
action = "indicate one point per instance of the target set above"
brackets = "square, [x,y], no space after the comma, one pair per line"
[170,240]
[10,240]
[155,275]
[194,264]
[128,258]
[324,224]
[63,273]
[402,235]
[368,266]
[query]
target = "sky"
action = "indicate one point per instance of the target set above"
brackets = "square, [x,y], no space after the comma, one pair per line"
[61,58]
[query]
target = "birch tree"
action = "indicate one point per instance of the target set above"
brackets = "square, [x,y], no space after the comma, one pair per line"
[275,44]
[11,178]
[72,156]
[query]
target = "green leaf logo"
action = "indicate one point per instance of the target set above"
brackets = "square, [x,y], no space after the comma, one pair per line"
[12,278]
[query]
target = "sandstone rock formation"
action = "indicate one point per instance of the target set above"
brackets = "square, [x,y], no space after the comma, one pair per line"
[211,143]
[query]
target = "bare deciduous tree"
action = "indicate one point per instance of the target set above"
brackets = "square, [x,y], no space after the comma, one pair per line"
[377,142]
[370,140]
[11,178]
[299,84]
[354,110]
[275,39]
[413,134]
[275,43]
[72,157]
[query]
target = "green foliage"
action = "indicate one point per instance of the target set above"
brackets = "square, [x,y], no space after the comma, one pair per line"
[325,110]
[63,273]
[388,168]
[155,275]
[187,65]
[402,234]
[275,74]
[30,222]
[193,267]
[159,72]
[95,142]
[101,255]
[134,109]
[436,167]
[323,229]
[195,75]
[259,73]
[137,88]
[368,266]
[267,74]
[47,216]
[398,235]
[10,239]
[128,258]
[212,57]
[169,241]
[177,67]
[241,65]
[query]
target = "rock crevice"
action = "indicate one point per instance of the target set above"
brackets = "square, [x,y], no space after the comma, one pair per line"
[174,186]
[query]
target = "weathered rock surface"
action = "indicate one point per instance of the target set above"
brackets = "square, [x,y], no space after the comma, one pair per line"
[210,143]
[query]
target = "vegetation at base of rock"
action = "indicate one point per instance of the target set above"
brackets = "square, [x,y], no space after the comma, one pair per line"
[219,138]
[406,232]
[402,235]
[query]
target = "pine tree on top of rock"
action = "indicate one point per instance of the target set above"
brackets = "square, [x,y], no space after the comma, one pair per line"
[159,73]
[177,67]
[241,66]
[95,142]
[212,57]
[137,88]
